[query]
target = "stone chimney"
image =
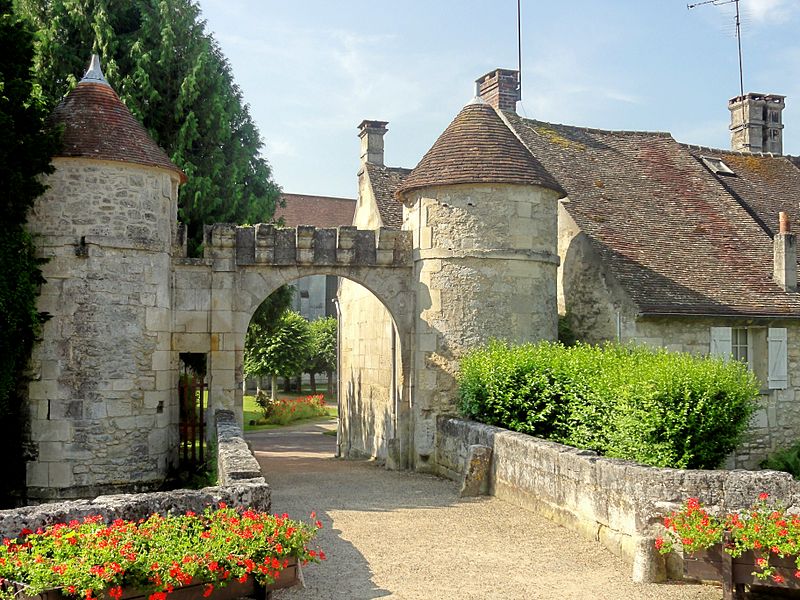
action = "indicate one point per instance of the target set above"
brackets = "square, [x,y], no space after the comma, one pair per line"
[785,256]
[371,134]
[756,123]
[499,88]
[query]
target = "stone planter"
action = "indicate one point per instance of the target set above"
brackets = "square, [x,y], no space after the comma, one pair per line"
[233,589]
[735,573]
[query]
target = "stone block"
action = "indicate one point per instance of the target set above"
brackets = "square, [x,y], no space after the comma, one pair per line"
[325,246]
[426,342]
[37,474]
[245,245]
[285,246]
[158,319]
[477,472]
[51,431]
[60,475]
[191,342]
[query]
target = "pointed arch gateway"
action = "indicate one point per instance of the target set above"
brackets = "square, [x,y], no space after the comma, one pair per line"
[217,296]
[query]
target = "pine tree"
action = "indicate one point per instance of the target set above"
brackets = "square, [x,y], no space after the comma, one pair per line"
[25,152]
[173,76]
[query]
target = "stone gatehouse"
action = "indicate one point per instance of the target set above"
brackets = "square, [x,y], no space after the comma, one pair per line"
[504,224]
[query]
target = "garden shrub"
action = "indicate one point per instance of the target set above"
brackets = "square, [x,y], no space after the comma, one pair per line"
[786,460]
[655,407]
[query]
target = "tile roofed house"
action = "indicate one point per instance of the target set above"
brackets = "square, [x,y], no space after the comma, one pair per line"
[659,242]
[669,231]
[384,182]
[319,211]
[377,183]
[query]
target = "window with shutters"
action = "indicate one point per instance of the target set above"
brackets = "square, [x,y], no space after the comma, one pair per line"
[763,349]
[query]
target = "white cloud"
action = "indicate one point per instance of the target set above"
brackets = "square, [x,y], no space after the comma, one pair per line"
[769,11]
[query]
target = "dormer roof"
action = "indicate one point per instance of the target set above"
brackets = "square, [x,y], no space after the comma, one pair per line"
[478,147]
[98,125]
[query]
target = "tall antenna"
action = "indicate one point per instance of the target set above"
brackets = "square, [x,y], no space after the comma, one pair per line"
[519,48]
[738,33]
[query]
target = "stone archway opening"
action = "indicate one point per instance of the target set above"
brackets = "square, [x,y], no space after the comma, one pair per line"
[369,390]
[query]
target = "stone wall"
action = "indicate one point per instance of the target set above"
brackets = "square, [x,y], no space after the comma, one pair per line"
[235,462]
[369,388]
[619,503]
[103,411]
[485,262]
[240,484]
[216,296]
[369,374]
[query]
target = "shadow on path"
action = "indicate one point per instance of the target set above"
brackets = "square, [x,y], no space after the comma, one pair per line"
[405,535]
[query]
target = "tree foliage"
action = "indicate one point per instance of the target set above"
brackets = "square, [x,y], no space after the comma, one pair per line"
[322,356]
[25,151]
[283,350]
[173,76]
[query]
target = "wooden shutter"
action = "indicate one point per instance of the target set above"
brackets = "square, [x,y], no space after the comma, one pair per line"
[721,342]
[778,378]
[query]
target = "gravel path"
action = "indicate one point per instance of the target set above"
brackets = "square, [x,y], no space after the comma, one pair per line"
[404,535]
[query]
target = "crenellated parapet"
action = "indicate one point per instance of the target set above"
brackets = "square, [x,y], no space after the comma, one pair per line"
[265,244]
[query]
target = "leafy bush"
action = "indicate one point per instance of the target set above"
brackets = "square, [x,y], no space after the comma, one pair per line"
[787,460]
[656,407]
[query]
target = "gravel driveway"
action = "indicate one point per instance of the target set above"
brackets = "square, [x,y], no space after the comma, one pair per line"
[404,535]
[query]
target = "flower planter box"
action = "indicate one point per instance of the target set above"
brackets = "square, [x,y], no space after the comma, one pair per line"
[737,572]
[288,577]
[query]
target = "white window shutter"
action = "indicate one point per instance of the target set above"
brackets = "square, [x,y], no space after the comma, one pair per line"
[778,378]
[721,342]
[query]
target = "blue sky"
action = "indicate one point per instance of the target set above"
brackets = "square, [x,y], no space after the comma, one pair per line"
[312,70]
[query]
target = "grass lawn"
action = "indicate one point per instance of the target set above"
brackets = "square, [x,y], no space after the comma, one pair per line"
[252,412]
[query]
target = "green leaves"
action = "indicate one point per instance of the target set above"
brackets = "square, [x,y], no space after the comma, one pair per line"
[283,350]
[322,357]
[173,76]
[656,407]
[25,151]
[91,559]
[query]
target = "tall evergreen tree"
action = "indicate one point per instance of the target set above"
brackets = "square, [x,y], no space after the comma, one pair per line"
[25,151]
[173,76]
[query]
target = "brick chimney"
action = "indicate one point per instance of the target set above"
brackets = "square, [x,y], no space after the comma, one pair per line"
[785,256]
[499,88]
[371,134]
[756,123]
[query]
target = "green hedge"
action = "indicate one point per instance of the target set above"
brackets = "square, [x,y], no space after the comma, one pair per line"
[660,408]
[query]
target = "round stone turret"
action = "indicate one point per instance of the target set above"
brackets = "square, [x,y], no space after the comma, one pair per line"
[103,406]
[483,212]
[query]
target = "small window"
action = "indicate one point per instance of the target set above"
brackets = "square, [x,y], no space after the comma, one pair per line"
[739,345]
[716,166]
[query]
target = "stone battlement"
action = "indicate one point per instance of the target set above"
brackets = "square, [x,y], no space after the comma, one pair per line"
[304,245]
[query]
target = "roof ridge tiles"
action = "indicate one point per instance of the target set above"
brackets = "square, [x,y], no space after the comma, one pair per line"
[664,134]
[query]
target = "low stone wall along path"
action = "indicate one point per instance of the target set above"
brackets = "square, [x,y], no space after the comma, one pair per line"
[403,535]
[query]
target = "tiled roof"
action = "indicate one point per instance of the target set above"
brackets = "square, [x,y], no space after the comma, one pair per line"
[385,181]
[319,211]
[765,184]
[98,125]
[477,147]
[670,233]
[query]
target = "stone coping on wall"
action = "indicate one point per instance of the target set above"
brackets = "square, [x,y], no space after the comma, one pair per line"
[239,478]
[617,502]
[235,462]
